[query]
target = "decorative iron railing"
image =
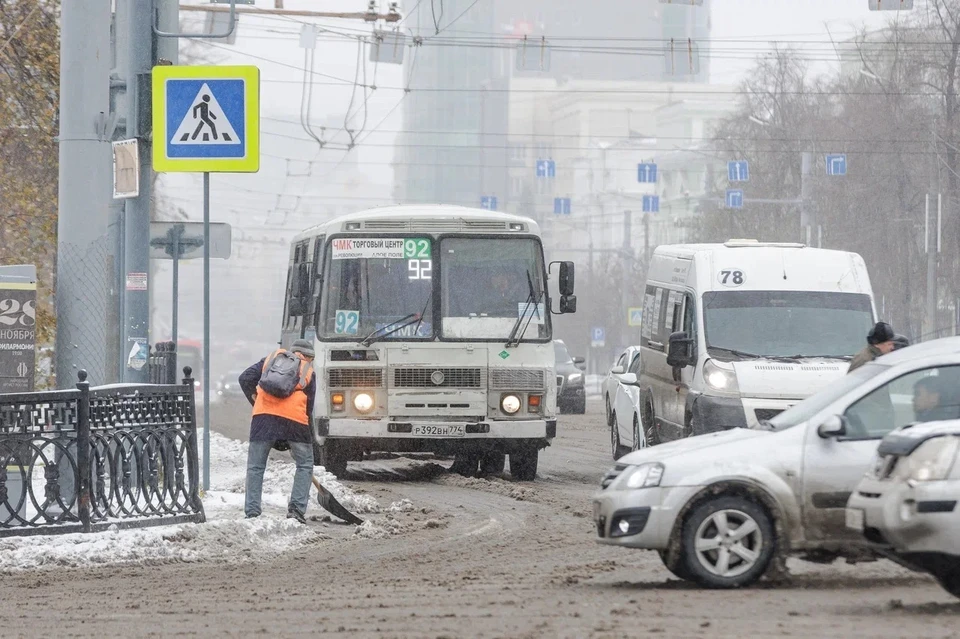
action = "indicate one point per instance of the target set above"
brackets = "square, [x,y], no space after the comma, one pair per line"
[162,363]
[86,459]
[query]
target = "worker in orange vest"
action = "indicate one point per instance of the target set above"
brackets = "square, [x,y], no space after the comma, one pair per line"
[281,388]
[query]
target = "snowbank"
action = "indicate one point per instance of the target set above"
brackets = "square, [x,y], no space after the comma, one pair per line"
[226,536]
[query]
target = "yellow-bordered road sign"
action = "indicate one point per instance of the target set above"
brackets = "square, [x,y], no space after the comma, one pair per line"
[206,119]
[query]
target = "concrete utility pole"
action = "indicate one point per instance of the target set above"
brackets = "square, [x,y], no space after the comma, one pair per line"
[84,265]
[626,274]
[931,244]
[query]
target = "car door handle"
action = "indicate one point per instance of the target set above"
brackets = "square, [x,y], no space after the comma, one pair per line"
[656,345]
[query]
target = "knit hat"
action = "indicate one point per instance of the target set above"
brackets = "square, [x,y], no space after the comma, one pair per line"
[880,333]
[304,347]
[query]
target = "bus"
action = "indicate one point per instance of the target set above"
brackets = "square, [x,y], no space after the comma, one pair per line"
[432,329]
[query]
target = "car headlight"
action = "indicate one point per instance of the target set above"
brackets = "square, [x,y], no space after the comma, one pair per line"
[363,402]
[510,404]
[931,461]
[720,377]
[642,476]
[574,377]
[226,387]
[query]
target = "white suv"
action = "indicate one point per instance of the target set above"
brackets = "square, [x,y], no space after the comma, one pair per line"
[720,507]
[907,502]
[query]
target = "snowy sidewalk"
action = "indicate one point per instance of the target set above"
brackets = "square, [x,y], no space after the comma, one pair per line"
[226,535]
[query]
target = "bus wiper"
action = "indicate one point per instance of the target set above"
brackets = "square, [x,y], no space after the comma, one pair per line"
[734,352]
[514,339]
[844,357]
[423,312]
[403,321]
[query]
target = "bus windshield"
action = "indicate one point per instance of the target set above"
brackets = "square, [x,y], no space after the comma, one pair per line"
[488,283]
[374,285]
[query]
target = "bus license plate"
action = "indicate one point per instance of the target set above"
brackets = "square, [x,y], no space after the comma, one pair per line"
[440,430]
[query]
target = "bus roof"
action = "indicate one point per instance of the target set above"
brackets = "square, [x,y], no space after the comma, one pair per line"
[430,218]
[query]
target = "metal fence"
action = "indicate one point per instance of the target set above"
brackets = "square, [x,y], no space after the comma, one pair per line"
[162,363]
[86,459]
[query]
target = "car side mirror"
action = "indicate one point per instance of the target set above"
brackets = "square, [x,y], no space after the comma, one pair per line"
[568,304]
[834,426]
[628,379]
[680,350]
[618,370]
[567,278]
[580,363]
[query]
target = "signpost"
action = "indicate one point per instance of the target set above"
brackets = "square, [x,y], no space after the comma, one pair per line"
[206,119]
[634,315]
[561,206]
[651,203]
[734,199]
[488,202]
[837,164]
[646,173]
[184,240]
[18,336]
[738,171]
[546,168]
[597,337]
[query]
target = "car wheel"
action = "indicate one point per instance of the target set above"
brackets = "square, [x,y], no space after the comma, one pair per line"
[465,464]
[951,581]
[332,457]
[727,543]
[650,424]
[639,436]
[616,447]
[492,463]
[580,408]
[609,412]
[675,564]
[523,464]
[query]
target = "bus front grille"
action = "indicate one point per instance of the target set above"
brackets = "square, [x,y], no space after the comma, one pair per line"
[438,377]
[354,378]
[519,379]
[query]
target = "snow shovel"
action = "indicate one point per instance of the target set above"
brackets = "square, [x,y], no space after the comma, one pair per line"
[329,503]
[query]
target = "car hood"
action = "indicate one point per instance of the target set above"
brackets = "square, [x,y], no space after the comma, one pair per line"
[904,440]
[777,379]
[725,439]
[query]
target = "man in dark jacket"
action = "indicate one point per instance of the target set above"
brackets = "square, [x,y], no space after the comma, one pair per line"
[276,420]
[880,341]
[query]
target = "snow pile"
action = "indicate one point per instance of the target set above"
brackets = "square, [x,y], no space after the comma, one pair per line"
[226,535]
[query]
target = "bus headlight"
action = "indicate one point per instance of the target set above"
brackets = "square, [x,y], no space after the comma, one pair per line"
[363,402]
[510,404]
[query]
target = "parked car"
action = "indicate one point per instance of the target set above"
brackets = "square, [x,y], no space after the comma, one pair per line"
[734,333]
[907,502]
[571,391]
[720,507]
[628,432]
[608,387]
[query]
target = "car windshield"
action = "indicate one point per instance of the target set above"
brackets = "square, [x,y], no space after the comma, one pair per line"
[802,411]
[561,353]
[488,283]
[373,285]
[741,324]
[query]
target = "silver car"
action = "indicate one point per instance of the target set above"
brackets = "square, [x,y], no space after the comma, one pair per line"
[907,502]
[721,507]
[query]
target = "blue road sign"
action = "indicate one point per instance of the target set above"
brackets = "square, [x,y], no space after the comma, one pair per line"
[734,198]
[597,336]
[561,206]
[738,171]
[651,203]
[647,173]
[546,168]
[488,202]
[837,164]
[206,119]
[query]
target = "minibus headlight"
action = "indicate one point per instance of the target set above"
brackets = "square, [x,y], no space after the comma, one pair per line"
[720,377]
[510,404]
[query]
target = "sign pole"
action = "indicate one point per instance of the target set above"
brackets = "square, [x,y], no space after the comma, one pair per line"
[206,331]
[176,232]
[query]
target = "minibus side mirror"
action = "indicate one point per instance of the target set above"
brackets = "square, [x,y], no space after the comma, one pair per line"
[680,350]
[568,304]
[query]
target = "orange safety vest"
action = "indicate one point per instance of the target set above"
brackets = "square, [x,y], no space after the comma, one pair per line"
[294,407]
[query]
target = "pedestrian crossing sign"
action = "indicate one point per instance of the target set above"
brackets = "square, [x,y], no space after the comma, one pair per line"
[206,119]
[634,316]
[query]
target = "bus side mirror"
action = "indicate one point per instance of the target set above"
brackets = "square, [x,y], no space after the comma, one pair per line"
[568,304]
[295,306]
[679,350]
[303,283]
[567,278]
